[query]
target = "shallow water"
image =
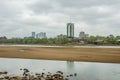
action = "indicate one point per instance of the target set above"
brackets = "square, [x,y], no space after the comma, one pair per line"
[84,70]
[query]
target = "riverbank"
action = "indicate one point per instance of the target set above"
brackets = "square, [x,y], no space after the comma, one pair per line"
[111,55]
[65,46]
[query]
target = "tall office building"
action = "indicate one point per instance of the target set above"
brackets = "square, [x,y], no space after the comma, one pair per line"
[41,35]
[70,30]
[33,35]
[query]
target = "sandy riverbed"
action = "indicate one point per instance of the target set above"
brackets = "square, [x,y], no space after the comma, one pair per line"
[61,53]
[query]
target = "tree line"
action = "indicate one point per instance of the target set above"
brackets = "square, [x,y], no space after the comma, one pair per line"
[99,40]
[46,41]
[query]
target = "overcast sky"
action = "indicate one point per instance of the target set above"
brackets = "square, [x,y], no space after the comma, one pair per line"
[18,18]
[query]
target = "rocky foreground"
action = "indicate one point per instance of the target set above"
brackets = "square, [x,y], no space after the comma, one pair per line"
[59,75]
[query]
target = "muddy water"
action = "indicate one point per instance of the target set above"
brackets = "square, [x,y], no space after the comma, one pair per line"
[84,70]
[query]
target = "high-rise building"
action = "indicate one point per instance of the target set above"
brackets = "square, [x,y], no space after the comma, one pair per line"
[70,30]
[33,35]
[41,35]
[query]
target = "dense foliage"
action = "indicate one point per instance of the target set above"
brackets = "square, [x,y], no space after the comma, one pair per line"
[99,40]
[63,40]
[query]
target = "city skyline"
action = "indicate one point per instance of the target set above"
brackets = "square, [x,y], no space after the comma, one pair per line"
[18,18]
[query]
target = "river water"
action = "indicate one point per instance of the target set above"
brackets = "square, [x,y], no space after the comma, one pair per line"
[84,70]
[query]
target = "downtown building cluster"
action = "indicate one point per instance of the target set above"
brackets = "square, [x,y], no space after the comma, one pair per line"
[40,35]
[70,32]
[69,37]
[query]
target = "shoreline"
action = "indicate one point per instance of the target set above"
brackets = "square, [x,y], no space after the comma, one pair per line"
[56,46]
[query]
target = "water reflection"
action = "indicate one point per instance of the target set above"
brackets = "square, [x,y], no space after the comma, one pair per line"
[84,70]
[70,64]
